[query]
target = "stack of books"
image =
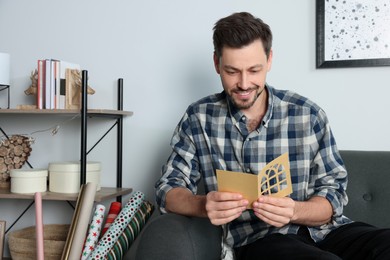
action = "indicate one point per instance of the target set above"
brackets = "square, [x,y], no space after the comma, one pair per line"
[54,83]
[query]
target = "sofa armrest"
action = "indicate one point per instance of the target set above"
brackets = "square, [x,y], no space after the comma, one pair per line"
[172,236]
[368,186]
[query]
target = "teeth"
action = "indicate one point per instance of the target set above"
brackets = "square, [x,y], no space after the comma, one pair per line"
[243,93]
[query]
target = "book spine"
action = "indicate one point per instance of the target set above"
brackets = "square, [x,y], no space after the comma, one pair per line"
[57,84]
[40,85]
[47,84]
[52,84]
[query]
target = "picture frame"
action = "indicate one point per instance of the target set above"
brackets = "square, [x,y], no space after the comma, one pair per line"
[2,234]
[352,33]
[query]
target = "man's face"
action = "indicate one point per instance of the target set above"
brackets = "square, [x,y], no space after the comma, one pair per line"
[243,73]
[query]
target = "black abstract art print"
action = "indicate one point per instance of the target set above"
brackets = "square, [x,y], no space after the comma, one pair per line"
[352,33]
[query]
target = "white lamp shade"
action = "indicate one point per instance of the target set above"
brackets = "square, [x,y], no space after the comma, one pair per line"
[4,69]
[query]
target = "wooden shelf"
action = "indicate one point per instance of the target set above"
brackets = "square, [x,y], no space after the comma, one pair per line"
[96,112]
[104,194]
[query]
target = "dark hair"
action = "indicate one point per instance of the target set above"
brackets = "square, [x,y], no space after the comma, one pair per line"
[240,29]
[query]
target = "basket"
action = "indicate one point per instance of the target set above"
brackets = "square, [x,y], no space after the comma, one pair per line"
[22,243]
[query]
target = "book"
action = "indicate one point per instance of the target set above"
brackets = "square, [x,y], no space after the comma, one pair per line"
[47,86]
[52,84]
[56,84]
[273,180]
[40,84]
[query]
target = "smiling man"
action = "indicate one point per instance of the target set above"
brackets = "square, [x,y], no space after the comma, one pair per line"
[242,129]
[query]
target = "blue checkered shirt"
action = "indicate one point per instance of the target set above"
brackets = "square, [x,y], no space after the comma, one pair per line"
[213,134]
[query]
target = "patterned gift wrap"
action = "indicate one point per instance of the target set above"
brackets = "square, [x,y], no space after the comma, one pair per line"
[113,212]
[131,232]
[94,231]
[117,227]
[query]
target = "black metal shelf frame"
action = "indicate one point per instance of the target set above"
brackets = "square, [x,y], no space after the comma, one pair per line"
[118,124]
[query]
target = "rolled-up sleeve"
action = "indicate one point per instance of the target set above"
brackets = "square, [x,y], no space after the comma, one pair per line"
[330,176]
[182,167]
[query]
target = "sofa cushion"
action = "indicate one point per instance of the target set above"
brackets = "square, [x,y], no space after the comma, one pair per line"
[368,186]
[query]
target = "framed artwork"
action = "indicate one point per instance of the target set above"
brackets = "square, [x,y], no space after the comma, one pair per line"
[2,233]
[352,33]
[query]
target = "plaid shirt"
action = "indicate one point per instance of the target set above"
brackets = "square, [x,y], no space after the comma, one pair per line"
[213,135]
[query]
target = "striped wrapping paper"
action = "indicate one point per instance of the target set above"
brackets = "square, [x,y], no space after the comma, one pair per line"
[108,240]
[113,212]
[131,232]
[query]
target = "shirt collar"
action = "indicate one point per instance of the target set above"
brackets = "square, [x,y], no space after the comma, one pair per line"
[271,99]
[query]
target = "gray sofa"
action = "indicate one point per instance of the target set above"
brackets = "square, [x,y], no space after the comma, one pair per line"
[172,236]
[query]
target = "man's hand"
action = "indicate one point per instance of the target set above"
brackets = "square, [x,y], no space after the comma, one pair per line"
[223,207]
[280,211]
[274,211]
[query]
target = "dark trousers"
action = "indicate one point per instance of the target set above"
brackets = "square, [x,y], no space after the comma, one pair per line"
[352,241]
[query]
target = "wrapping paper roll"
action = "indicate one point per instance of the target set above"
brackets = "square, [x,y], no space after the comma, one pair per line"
[78,228]
[94,231]
[132,230]
[116,228]
[82,223]
[113,212]
[39,226]
[72,228]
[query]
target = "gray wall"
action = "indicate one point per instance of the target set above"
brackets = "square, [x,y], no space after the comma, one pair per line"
[163,50]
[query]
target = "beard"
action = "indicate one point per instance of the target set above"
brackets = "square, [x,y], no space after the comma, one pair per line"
[247,102]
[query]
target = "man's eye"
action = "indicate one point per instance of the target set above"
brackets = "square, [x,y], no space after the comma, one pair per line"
[231,72]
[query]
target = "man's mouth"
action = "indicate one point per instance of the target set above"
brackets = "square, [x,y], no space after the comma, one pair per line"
[243,93]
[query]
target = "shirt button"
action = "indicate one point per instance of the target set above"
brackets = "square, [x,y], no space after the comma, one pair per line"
[243,118]
[248,170]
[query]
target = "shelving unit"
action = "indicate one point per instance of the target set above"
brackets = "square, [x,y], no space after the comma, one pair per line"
[102,195]
[105,193]
[117,115]
[90,112]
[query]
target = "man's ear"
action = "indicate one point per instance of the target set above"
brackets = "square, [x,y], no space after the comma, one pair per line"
[216,63]
[269,60]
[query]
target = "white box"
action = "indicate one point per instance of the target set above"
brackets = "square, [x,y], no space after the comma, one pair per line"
[64,177]
[28,180]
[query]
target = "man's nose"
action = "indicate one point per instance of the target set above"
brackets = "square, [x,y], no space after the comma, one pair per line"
[244,83]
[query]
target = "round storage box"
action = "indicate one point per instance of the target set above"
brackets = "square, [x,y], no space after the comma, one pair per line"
[64,177]
[28,180]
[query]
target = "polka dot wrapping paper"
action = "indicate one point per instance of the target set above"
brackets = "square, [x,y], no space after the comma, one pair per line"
[117,227]
[94,231]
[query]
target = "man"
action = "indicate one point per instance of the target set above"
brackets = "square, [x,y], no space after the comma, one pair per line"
[242,129]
